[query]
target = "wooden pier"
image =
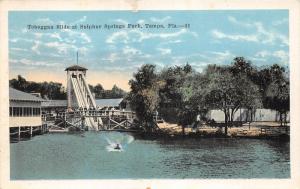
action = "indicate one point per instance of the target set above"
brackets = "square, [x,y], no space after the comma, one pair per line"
[17,133]
[111,120]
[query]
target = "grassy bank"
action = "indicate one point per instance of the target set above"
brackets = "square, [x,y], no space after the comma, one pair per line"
[256,130]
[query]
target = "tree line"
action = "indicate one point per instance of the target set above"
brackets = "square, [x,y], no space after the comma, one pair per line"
[180,93]
[56,91]
[101,93]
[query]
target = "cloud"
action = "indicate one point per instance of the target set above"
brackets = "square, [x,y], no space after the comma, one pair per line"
[262,54]
[54,35]
[35,47]
[18,49]
[46,21]
[121,36]
[284,39]
[38,35]
[130,50]
[221,57]
[112,57]
[16,40]
[260,35]
[235,37]
[81,36]
[136,35]
[70,34]
[146,35]
[175,41]
[82,19]
[121,21]
[200,60]
[280,22]
[283,56]
[24,30]
[279,55]
[62,48]
[268,36]
[160,20]
[82,50]
[63,41]
[139,36]
[164,51]
[141,21]
[235,21]
[28,62]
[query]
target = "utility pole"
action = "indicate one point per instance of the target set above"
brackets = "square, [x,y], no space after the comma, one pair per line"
[77,58]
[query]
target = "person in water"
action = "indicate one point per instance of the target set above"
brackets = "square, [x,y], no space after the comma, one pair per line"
[118,147]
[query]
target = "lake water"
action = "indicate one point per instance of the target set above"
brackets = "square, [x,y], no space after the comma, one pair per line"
[92,156]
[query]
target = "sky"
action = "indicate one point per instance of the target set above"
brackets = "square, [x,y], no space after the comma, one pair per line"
[113,55]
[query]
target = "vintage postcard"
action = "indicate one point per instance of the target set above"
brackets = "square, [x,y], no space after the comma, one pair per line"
[139,94]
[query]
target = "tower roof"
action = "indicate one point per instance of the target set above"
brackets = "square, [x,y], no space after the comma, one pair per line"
[75,67]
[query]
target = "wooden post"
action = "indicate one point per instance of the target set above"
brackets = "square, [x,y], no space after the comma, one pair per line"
[82,122]
[108,121]
[19,133]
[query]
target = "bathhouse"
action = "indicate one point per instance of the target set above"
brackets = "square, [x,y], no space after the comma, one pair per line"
[24,114]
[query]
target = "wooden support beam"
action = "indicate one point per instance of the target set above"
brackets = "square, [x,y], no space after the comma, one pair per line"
[19,133]
[121,124]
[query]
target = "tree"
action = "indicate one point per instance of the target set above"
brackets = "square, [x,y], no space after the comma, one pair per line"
[51,90]
[173,108]
[243,69]
[187,116]
[117,92]
[193,93]
[144,95]
[91,88]
[264,77]
[98,90]
[242,66]
[278,97]
[228,94]
[20,83]
[179,93]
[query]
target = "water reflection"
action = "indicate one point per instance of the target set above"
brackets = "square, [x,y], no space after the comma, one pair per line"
[229,158]
[66,156]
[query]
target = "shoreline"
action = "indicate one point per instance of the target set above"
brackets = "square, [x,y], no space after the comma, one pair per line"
[254,130]
[167,136]
[168,131]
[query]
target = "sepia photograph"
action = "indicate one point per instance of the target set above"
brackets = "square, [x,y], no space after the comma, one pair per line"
[149,94]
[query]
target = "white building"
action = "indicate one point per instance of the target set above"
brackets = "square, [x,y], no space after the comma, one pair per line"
[245,115]
[24,112]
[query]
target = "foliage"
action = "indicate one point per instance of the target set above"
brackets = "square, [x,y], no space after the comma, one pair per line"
[144,96]
[179,94]
[101,93]
[56,91]
[228,93]
[278,97]
[48,90]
